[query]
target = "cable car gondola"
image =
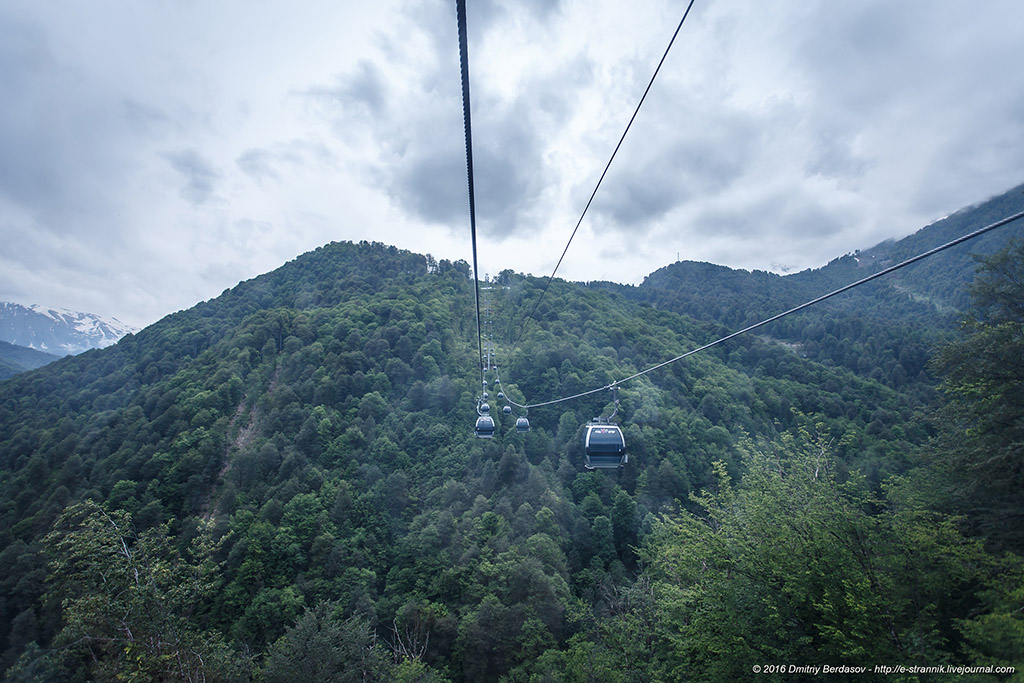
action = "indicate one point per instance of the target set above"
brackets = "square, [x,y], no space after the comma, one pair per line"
[484,423]
[522,424]
[485,427]
[604,447]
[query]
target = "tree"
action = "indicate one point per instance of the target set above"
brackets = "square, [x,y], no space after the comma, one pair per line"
[982,442]
[129,601]
[624,524]
[795,564]
[321,646]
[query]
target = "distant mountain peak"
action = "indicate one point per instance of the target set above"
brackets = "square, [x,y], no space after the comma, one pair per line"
[58,330]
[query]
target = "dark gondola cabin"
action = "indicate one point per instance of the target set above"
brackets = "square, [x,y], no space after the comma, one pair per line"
[522,424]
[485,427]
[604,447]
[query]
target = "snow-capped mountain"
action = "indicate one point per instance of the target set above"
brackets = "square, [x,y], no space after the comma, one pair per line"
[57,330]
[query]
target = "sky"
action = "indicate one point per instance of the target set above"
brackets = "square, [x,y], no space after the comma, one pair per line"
[154,154]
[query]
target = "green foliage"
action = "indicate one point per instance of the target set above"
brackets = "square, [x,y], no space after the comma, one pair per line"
[293,463]
[128,601]
[982,442]
[995,636]
[795,564]
[15,359]
[320,646]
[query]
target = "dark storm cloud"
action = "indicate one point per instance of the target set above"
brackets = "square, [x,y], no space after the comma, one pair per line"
[365,87]
[429,177]
[772,217]
[510,174]
[832,154]
[672,176]
[358,93]
[428,186]
[419,127]
[199,175]
[680,155]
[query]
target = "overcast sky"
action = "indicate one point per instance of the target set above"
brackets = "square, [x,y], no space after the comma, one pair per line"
[153,154]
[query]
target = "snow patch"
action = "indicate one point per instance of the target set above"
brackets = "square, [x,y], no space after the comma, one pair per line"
[58,330]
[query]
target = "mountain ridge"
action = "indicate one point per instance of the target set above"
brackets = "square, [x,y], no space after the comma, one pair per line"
[15,359]
[929,280]
[316,422]
[57,330]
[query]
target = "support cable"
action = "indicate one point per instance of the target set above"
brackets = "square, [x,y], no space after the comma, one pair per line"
[593,194]
[460,11]
[869,278]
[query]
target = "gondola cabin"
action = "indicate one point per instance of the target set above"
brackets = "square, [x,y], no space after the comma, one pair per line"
[604,447]
[485,427]
[522,424]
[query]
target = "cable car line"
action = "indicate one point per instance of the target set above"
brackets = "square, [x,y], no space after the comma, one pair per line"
[460,11]
[485,425]
[482,407]
[869,278]
[604,442]
[593,194]
[522,422]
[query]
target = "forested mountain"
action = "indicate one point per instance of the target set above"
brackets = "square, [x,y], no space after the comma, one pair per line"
[283,483]
[15,359]
[931,291]
[884,329]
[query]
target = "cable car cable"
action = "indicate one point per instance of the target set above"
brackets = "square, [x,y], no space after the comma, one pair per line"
[460,11]
[869,278]
[636,111]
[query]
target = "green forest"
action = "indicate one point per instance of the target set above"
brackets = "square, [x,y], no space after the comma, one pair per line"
[283,483]
[15,359]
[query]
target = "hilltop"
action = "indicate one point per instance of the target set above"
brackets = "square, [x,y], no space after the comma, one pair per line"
[931,292]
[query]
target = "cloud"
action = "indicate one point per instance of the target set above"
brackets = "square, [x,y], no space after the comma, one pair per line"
[673,163]
[145,119]
[49,130]
[199,175]
[414,127]
[427,177]
[281,159]
[365,88]
[789,135]
[358,95]
[258,164]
